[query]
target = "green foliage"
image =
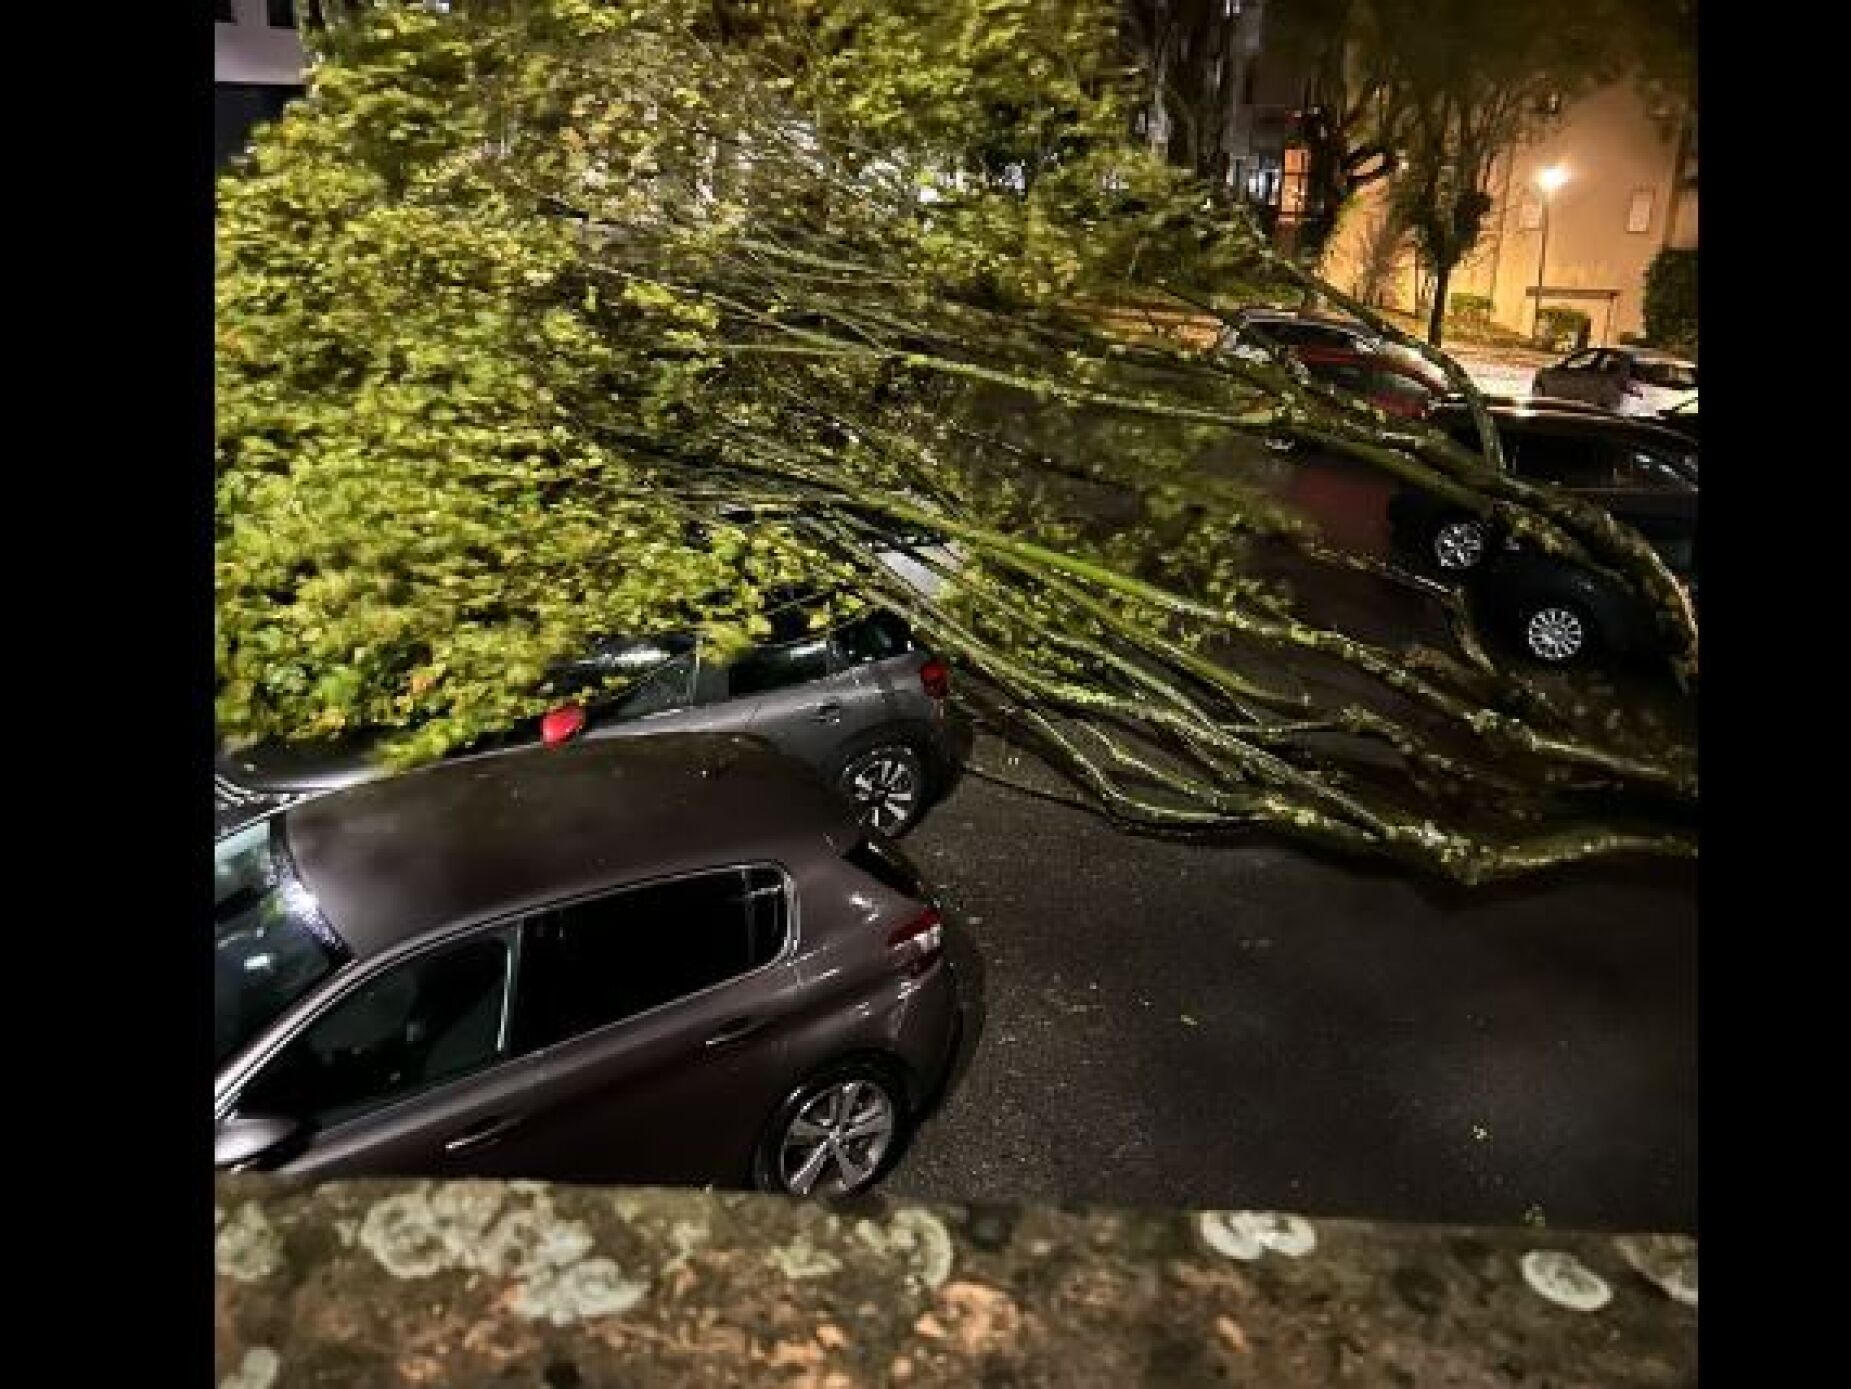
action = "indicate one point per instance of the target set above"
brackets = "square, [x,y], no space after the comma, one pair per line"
[1671,300]
[518,292]
[1474,309]
[1562,328]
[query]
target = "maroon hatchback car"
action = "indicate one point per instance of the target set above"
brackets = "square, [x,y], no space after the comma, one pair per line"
[676,960]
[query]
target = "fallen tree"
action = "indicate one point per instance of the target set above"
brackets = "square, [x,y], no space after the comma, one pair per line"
[519,292]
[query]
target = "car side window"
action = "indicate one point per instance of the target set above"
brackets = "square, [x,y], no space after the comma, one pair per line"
[873,638]
[601,961]
[435,1018]
[1566,460]
[1636,467]
[1672,376]
[778,667]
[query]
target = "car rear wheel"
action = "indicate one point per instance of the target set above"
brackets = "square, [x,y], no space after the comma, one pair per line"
[1556,633]
[1458,544]
[836,1135]
[887,784]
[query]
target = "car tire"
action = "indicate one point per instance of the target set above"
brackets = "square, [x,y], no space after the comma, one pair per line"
[1457,544]
[810,1147]
[1557,633]
[887,779]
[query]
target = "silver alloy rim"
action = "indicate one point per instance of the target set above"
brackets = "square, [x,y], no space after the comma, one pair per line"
[836,1142]
[1555,634]
[886,788]
[1459,544]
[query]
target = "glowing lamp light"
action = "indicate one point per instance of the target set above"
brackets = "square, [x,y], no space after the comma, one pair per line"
[1551,178]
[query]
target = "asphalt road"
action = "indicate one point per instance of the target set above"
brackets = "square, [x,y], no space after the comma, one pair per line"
[1260,1027]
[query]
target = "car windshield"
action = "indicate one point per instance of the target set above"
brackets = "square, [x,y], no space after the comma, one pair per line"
[270,946]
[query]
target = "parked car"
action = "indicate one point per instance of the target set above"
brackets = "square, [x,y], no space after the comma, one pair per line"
[1629,380]
[1309,336]
[1386,382]
[1591,452]
[1564,614]
[667,960]
[866,705]
[1682,418]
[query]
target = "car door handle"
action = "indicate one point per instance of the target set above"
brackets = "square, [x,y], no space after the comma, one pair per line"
[735,1031]
[481,1133]
[830,712]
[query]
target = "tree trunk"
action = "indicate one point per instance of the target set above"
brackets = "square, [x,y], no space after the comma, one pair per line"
[1436,313]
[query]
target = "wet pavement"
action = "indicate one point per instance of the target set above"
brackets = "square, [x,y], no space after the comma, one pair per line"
[1260,1026]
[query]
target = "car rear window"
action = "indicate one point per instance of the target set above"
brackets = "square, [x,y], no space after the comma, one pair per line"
[884,863]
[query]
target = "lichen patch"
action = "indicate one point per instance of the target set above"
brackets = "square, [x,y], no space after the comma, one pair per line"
[258,1370]
[916,1237]
[1565,1280]
[245,1248]
[1247,1235]
[472,1227]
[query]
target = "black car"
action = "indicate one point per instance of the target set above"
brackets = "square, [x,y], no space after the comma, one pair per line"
[1564,614]
[1682,418]
[1587,451]
[865,704]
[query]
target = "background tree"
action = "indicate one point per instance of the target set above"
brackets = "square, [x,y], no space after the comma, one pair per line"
[517,292]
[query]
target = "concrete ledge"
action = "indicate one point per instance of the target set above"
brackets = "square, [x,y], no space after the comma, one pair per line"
[478,1283]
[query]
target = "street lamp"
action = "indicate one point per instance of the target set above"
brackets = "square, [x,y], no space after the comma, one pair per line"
[1548,179]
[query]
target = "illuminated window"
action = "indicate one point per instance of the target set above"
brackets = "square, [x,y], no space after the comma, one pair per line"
[1639,211]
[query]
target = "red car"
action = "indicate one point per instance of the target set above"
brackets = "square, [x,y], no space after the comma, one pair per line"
[1393,384]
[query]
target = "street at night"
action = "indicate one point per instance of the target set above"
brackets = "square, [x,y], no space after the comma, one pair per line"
[1258,1027]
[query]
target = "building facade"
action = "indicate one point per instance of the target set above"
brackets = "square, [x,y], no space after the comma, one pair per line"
[1624,186]
[257,67]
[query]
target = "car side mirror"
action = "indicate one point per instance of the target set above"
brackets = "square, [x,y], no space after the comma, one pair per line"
[244,1141]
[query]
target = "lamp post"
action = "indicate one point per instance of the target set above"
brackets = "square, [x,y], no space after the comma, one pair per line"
[1547,181]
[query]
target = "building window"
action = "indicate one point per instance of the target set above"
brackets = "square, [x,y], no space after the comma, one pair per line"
[221,12]
[1639,211]
[282,14]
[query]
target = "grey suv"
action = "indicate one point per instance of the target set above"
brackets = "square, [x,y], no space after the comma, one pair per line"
[675,959]
[865,705]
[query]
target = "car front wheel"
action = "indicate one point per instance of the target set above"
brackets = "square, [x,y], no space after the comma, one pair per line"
[835,1135]
[1459,544]
[887,785]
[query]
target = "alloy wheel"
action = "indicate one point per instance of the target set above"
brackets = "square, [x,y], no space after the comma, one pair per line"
[885,785]
[1555,634]
[837,1140]
[1459,544]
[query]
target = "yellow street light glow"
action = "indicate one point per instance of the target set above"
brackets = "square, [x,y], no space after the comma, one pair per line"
[1551,178]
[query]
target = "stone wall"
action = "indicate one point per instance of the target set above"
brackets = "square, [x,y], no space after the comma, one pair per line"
[476,1283]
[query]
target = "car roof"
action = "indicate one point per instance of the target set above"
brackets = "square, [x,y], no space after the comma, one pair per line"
[484,837]
[1653,354]
[1513,410]
[1271,315]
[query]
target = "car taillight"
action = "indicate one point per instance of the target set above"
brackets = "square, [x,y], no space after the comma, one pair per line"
[920,940]
[561,724]
[935,675]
